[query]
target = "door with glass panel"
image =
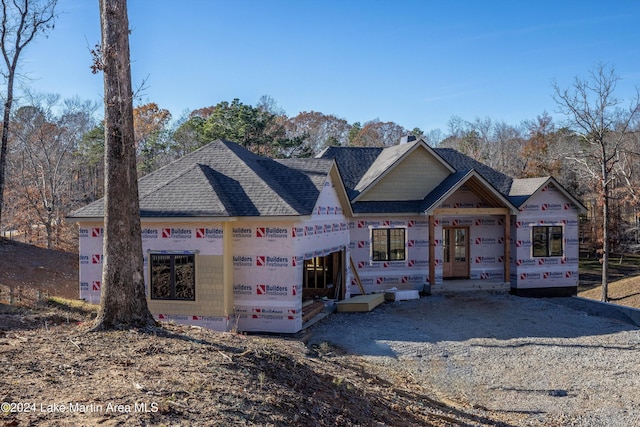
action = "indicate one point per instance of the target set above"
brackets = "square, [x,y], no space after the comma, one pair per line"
[455,256]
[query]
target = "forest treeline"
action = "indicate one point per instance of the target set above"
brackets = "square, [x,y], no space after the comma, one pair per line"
[56,155]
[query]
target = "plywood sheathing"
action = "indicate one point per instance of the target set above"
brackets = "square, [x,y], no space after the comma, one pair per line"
[360,303]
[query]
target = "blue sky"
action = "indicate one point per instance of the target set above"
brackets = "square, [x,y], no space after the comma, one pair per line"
[417,63]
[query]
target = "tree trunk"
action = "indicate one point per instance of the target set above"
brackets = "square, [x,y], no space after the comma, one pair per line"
[20,22]
[605,234]
[5,137]
[123,301]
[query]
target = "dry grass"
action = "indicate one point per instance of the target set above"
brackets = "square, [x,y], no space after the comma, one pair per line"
[623,292]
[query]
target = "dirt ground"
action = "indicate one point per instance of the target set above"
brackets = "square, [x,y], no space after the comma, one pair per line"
[29,269]
[55,374]
[490,363]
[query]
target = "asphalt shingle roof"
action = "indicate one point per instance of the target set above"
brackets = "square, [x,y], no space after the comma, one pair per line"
[360,166]
[224,179]
[353,163]
[462,162]
[522,188]
[386,158]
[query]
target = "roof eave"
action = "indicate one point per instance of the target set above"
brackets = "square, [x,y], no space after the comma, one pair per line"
[342,192]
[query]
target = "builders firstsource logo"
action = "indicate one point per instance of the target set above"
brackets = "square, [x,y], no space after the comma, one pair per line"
[242,261]
[242,289]
[272,290]
[486,241]
[272,232]
[272,261]
[149,233]
[208,233]
[241,232]
[486,222]
[418,243]
[176,233]
[551,207]
[485,260]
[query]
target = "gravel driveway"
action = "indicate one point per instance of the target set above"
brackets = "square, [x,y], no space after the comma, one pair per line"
[540,360]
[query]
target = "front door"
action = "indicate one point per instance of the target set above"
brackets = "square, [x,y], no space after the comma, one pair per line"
[455,242]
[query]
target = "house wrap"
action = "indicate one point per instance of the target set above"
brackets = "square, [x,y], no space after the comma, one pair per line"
[233,240]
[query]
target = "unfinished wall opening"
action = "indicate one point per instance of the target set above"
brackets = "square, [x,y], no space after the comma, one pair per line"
[323,276]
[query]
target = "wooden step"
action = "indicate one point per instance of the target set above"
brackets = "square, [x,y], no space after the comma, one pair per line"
[310,310]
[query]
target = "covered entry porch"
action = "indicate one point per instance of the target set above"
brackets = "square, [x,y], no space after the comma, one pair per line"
[470,238]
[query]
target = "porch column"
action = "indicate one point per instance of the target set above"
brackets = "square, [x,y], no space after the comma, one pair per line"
[432,251]
[507,248]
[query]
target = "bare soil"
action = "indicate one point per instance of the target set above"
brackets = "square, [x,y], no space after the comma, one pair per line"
[30,270]
[57,374]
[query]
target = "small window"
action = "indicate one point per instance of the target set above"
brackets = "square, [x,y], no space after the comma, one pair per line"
[173,277]
[547,241]
[388,244]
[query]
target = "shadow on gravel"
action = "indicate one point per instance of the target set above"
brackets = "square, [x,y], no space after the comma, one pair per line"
[462,317]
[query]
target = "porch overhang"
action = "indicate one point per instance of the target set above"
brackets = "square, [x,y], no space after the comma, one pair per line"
[452,212]
[492,198]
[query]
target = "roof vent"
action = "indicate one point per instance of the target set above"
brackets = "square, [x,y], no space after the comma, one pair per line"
[408,138]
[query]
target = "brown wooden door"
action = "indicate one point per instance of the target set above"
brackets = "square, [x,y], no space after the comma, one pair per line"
[455,242]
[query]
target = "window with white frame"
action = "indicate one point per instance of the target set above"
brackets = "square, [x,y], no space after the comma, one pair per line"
[547,241]
[388,244]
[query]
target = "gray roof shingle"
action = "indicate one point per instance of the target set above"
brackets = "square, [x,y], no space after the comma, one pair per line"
[353,163]
[464,163]
[223,179]
[360,166]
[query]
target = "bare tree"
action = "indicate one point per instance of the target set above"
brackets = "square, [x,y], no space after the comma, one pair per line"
[602,127]
[122,301]
[21,22]
[41,147]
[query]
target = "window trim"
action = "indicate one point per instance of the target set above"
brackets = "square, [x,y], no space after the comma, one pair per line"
[547,244]
[388,243]
[172,255]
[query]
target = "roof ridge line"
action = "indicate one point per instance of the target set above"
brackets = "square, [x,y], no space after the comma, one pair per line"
[256,158]
[166,182]
[273,184]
